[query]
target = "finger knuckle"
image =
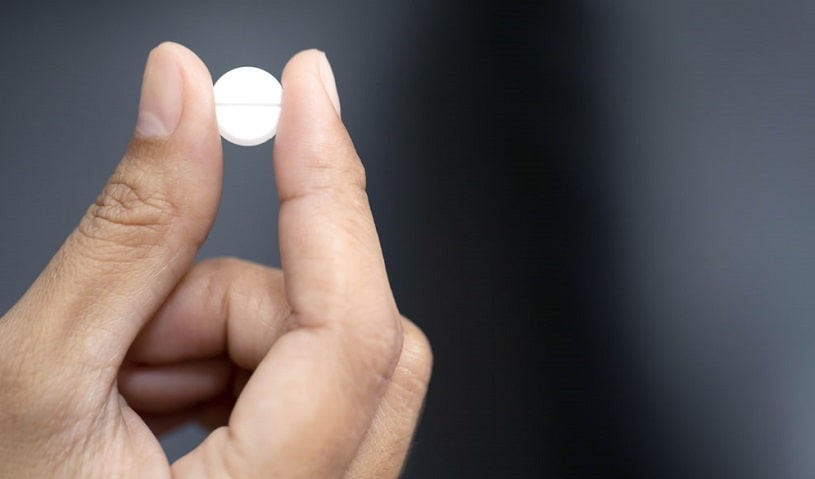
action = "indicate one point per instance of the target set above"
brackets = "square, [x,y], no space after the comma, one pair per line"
[385,346]
[332,164]
[131,211]
[416,361]
[341,165]
[356,174]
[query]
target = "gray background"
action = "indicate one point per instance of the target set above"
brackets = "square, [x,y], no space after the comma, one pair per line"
[600,212]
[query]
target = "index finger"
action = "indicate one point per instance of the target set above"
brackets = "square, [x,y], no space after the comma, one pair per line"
[329,246]
[312,398]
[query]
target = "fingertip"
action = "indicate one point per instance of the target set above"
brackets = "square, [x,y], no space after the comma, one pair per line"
[191,64]
[311,136]
[176,95]
[182,53]
[329,82]
[199,104]
[302,61]
[307,66]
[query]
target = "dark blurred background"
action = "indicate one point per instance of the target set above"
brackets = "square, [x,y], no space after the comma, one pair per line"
[599,212]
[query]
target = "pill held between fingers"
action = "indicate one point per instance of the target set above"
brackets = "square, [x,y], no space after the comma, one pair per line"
[247,105]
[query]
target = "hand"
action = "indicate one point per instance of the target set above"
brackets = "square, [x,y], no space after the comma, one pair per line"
[122,336]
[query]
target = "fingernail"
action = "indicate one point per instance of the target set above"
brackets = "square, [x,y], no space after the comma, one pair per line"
[161,96]
[327,76]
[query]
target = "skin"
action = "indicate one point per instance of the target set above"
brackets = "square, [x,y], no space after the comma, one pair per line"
[305,372]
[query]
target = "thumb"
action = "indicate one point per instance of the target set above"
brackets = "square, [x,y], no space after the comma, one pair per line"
[144,229]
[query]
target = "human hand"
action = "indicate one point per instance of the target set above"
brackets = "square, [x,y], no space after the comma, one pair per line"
[121,336]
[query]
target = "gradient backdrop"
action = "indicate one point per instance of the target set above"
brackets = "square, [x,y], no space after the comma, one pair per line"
[601,213]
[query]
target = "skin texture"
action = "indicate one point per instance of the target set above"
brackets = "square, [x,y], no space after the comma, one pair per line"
[308,372]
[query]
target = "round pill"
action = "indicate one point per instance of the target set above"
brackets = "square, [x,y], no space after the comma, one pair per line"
[247,105]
